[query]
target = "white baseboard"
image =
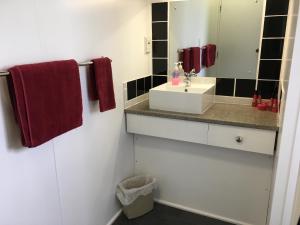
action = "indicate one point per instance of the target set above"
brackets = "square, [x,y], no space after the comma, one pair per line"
[202,213]
[114,218]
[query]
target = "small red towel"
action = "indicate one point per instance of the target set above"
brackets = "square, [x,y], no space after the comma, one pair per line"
[102,84]
[186,59]
[209,55]
[195,59]
[46,98]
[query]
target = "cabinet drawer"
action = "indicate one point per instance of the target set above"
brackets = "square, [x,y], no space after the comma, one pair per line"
[245,139]
[180,130]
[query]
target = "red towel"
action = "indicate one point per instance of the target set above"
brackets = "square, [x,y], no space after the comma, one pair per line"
[195,59]
[209,55]
[102,84]
[46,98]
[186,59]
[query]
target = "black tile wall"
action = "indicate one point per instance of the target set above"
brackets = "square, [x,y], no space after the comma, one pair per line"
[160,31]
[268,89]
[160,66]
[140,86]
[160,49]
[159,40]
[225,86]
[245,87]
[275,26]
[160,11]
[277,7]
[131,90]
[269,69]
[148,83]
[158,80]
[272,48]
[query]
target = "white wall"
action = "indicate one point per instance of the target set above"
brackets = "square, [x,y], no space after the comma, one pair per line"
[296,209]
[223,183]
[289,80]
[70,180]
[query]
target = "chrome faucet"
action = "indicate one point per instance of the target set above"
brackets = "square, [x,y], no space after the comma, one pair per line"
[188,77]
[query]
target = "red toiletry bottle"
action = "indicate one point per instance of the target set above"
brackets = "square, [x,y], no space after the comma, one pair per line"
[259,101]
[275,106]
[254,100]
[270,104]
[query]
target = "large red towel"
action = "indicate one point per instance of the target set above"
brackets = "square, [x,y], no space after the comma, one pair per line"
[186,59]
[195,59]
[209,55]
[46,98]
[102,84]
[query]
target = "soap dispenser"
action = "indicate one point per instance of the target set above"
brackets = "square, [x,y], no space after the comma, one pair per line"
[175,75]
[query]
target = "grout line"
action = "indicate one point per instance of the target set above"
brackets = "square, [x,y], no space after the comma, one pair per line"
[268,16]
[234,87]
[58,184]
[273,38]
[271,59]
[160,21]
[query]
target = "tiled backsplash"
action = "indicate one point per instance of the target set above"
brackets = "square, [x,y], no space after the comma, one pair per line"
[246,87]
[138,87]
[160,66]
[160,38]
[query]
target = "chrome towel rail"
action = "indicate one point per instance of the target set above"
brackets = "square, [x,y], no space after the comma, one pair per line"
[6,73]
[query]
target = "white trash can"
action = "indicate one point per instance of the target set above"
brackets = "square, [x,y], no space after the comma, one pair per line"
[136,195]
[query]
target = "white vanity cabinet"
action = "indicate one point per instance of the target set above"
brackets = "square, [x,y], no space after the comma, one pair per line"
[221,171]
[233,137]
[241,138]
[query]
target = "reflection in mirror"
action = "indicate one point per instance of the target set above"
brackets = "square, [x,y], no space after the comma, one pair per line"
[234,26]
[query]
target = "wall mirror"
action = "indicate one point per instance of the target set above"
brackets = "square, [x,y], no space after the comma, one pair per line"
[234,26]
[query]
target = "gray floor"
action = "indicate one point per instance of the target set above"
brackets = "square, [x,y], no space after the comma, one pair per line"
[164,215]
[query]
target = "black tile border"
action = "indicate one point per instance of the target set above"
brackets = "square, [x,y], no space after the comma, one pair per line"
[160,41]
[277,7]
[159,80]
[275,27]
[268,88]
[131,89]
[138,87]
[159,11]
[245,87]
[225,86]
[269,69]
[160,66]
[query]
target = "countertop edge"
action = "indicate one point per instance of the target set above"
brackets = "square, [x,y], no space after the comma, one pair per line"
[170,115]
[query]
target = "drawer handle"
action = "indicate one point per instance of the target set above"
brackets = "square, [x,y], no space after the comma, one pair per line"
[239,139]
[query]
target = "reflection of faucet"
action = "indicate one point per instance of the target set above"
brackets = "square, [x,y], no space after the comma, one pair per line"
[188,77]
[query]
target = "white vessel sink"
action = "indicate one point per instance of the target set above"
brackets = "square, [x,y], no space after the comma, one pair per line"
[195,99]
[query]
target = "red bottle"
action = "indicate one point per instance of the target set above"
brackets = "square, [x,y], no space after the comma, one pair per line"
[254,100]
[275,106]
[262,106]
[270,104]
[259,100]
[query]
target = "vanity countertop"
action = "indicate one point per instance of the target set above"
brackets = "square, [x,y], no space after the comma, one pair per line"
[219,113]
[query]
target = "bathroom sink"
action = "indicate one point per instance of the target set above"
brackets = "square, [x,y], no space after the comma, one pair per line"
[195,99]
